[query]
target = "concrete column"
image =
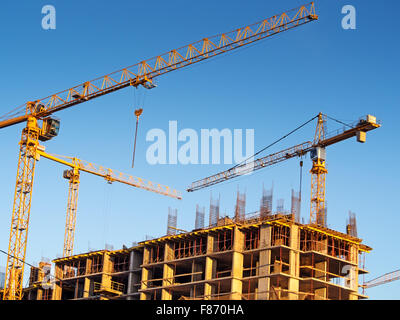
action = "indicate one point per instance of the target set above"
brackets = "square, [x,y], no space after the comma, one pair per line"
[353,273]
[86,288]
[87,284]
[146,255]
[264,263]
[210,273]
[133,279]
[211,239]
[168,272]
[321,293]
[294,263]
[76,289]
[106,274]
[146,274]
[237,264]
[210,268]
[57,289]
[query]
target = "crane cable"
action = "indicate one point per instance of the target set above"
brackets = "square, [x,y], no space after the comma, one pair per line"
[275,142]
[338,121]
[138,112]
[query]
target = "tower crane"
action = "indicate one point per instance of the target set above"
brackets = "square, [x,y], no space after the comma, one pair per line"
[73,176]
[318,157]
[142,73]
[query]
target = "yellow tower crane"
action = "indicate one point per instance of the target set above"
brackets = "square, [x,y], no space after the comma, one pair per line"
[318,175]
[141,73]
[318,157]
[73,176]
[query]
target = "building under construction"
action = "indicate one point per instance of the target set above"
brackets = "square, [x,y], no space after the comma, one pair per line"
[262,256]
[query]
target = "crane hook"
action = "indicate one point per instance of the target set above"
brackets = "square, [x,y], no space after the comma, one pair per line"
[138,113]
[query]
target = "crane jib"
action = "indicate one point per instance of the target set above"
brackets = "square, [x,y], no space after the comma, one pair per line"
[145,71]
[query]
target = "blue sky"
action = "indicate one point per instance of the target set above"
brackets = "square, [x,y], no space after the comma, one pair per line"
[271,87]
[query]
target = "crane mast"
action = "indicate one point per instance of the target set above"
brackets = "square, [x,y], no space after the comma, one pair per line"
[73,176]
[21,210]
[318,176]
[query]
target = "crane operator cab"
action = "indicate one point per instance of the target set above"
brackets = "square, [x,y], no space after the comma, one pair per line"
[50,129]
[318,153]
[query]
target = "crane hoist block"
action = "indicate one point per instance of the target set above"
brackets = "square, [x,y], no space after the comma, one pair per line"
[149,85]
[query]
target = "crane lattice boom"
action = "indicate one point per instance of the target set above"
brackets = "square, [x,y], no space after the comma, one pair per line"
[299,150]
[113,176]
[144,72]
[387,277]
[260,163]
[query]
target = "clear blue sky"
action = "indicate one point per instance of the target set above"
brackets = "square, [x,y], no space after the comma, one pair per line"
[271,87]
